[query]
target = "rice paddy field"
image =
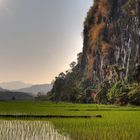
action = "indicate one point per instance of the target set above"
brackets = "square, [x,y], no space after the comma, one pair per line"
[116,123]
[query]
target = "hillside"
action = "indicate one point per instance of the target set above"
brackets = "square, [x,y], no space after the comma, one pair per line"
[108,68]
[8,95]
[2,90]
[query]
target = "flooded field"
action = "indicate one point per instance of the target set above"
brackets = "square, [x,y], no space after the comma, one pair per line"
[29,130]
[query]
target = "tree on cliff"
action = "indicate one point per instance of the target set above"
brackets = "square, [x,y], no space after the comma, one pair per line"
[65,86]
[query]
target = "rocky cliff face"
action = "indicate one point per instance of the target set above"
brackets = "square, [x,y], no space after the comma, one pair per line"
[111,40]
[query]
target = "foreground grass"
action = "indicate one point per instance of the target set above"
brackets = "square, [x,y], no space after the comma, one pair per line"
[113,126]
[117,123]
[29,130]
[66,109]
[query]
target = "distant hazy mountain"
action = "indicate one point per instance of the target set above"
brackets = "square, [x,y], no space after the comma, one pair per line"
[9,95]
[43,88]
[3,90]
[14,85]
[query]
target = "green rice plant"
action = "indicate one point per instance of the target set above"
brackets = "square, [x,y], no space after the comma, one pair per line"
[117,123]
[29,130]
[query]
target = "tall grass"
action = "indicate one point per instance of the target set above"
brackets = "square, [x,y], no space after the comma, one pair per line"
[124,125]
[117,123]
[29,130]
[47,108]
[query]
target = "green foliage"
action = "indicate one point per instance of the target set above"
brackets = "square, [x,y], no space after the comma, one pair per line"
[58,87]
[123,94]
[134,95]
[102,91]
[66,86]
[122,98]
[115,92]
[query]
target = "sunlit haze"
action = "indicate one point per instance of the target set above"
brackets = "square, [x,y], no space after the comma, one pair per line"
[39,38]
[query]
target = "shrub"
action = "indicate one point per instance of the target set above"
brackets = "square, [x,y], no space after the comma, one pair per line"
[134,95]
[122,98]
[114,91]
[102,91]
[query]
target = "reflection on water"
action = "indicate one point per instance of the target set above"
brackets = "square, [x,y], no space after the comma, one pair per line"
[29,130]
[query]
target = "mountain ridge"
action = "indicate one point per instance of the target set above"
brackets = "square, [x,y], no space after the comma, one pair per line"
[35,89]
[10,95]
[13,85]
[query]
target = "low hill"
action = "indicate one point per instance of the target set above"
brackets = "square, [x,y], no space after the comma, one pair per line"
[2,90]
[8,95]
[35,89]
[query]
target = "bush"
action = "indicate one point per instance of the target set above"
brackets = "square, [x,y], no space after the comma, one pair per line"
[134,95]
[118,93]
[102,91]
[116,89]
[122,98]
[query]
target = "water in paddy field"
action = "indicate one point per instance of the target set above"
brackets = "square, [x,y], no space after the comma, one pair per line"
[29,130]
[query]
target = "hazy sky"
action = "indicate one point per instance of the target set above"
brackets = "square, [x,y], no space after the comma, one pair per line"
[39,38]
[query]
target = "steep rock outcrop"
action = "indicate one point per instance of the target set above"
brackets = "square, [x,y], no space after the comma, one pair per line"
[111,48]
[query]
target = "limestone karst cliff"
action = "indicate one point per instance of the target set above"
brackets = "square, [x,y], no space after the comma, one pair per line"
[108,69]
[111,48]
